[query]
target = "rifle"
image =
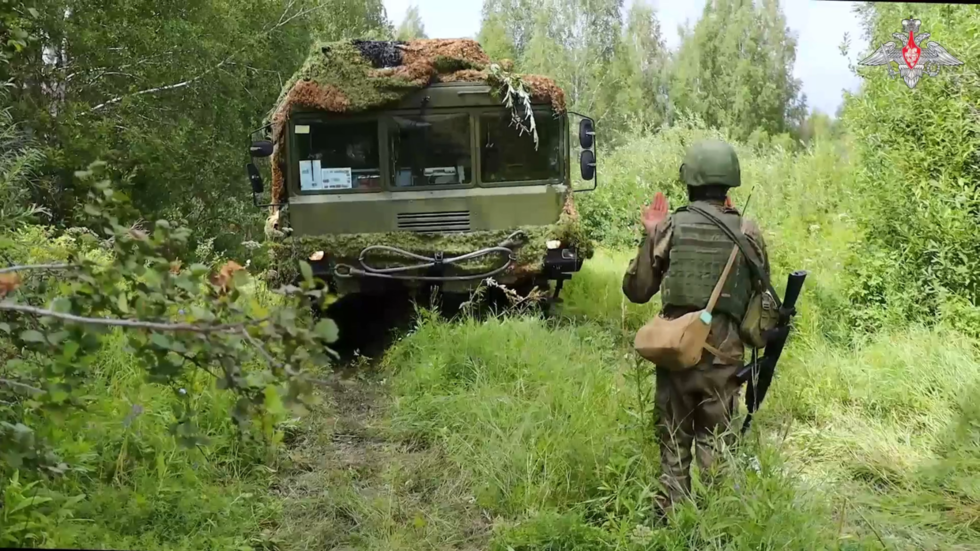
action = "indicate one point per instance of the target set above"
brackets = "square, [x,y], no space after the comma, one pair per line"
[759,372]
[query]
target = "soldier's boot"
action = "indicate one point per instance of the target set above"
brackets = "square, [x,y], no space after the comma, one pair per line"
[710,458]
[675,468]
[713,437]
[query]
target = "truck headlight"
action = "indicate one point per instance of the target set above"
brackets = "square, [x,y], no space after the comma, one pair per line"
[553,244]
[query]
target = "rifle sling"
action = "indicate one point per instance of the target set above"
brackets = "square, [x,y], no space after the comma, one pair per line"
[743,246]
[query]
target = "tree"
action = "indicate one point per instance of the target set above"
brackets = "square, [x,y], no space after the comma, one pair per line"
[735,69]
[614,72]
[924,262]
[411,27]
[572,41]
[507,27]
[141,93]
[494,37]
[56,317]
[640,68]
[817,126]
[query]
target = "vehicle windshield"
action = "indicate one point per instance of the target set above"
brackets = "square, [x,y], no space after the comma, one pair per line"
[432,150]
[338,156]
[509,157]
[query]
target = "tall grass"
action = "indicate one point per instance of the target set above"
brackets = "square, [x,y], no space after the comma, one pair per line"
[866,439]
[135,488]
[550,427]
[129,485]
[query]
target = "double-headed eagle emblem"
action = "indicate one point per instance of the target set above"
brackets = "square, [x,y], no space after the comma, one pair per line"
[913,59]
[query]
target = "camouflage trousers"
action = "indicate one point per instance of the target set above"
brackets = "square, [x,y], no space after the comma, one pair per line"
[695,409]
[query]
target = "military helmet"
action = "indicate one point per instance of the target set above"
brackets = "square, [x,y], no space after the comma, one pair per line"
[711,162]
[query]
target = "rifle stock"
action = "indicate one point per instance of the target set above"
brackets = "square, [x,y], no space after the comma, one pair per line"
[759,375]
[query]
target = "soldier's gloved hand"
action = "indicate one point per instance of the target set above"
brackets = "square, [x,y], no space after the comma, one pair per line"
[655,213]
[728,201]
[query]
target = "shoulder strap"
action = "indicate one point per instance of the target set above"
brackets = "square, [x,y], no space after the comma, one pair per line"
[714,299]
[739,239]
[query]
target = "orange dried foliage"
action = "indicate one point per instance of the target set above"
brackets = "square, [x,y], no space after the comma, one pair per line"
[466,75]
[544,88]
[310,94]
[226,274]
[8,283]
[278,179]
[428,50]
[419,74]
[569,208]
[320,96]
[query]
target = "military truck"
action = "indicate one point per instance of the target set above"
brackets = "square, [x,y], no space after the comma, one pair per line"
[422,164]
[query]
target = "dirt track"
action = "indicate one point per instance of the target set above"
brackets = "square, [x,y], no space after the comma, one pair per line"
[352,484]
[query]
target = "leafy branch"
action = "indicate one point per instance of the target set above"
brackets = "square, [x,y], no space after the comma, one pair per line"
[174,319]
[516,99]
[137,324]
[11,269]
[284,20]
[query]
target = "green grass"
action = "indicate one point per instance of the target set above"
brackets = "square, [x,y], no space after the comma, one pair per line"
[130,486]
[551,427]
[521,433]
[866,439]
[141,490]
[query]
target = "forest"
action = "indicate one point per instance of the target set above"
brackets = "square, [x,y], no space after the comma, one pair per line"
[154,395]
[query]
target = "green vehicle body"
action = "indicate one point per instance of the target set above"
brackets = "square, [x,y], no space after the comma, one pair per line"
[524,204]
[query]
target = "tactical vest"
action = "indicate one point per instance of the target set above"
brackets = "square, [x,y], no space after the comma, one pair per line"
[699,252]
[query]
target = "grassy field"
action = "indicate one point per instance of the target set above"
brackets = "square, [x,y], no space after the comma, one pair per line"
[521,433]
[533,434]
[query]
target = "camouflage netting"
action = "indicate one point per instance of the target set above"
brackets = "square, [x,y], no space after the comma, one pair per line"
[346,248]
[353,76]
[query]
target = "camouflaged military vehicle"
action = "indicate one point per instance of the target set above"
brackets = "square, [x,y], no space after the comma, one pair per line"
[422,163]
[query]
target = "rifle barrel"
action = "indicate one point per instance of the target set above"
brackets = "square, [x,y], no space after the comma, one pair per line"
[766,366]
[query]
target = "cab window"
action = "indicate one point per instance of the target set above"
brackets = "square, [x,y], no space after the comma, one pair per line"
[338,156]
[509,157]
[430,150]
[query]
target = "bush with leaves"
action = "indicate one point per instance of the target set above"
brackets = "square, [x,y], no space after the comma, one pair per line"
[176,321]
[919,154]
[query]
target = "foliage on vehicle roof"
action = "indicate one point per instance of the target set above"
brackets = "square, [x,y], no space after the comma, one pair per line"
[359,75]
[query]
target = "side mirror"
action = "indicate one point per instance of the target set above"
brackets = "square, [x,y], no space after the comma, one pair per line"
[255,179]
[586,133]
[260,148]
[587,164]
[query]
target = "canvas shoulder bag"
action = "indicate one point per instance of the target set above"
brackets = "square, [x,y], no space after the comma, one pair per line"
[677,344]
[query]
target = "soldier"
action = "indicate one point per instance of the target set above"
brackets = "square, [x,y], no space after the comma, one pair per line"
[685,254]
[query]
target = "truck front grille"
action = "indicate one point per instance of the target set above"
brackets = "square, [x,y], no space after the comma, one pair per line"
[423,222]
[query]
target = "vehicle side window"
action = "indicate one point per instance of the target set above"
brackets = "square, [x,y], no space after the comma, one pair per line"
[338,155]
[431,150]
[509,157]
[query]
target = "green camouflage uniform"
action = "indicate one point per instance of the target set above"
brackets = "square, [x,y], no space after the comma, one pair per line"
[695,405]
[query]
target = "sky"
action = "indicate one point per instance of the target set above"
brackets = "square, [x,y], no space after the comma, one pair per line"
[819,26]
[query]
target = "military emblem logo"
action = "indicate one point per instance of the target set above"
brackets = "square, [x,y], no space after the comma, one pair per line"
[915,57]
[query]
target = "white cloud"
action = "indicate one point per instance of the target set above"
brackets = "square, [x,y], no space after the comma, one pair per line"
[820,28]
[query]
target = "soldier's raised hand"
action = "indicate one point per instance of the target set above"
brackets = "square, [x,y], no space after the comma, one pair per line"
[655,213]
